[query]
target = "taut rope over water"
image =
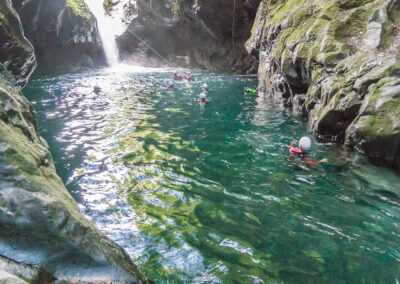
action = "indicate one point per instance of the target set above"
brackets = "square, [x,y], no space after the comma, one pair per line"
[233,24]
[155,51]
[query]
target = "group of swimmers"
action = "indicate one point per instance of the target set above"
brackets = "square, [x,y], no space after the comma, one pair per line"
[202,100]
[299,152]
[180,77]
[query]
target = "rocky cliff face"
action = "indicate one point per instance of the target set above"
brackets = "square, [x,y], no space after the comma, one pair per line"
[64,34]
[43,236]
[206,34]
[16,52]
[336,62]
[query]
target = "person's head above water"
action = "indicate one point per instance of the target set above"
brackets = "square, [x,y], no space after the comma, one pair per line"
[305,143]
[170,85]
[202,99]
[204,86]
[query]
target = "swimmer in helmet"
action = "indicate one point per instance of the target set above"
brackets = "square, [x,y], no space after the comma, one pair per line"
[170,85]
[204,88]
[301,151]
[202,101]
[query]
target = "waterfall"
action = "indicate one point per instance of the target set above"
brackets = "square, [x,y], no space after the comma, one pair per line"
[108,29]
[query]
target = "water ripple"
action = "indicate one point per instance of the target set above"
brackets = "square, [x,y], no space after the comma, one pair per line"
[209,195]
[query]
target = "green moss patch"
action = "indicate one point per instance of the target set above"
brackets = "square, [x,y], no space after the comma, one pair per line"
[79,8]
[109,5]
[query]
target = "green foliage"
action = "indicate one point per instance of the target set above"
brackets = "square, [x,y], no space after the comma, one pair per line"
[79,8]
[176,7]
[109,4]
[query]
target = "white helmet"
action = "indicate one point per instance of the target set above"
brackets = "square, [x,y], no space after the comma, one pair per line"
[202,96]
[305,143]
[204,85]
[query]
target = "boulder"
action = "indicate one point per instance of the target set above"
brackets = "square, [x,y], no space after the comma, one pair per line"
[376,129]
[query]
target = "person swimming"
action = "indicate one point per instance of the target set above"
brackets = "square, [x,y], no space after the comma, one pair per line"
[202,100]
[180,77]
[250,91]
[170,85]
[301,151]
[204,88]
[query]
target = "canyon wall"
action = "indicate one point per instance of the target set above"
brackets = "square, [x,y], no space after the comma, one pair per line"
[64,35]
[336,62]
[204,34]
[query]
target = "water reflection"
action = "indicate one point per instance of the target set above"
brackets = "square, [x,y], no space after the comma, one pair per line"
[210,195]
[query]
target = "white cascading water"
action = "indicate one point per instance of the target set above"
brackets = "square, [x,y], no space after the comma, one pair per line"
[109,28]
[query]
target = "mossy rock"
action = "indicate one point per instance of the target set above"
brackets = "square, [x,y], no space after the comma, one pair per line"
[331,59]
[35,204]
[299,34]
[280,44]
[376,130]
[109,5]
[330,11]
[331,48]
[287,63]
[16,52]
[80,8]
[282,11]
[350,4]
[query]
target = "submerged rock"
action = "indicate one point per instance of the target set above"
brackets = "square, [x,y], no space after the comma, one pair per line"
[206,34]
[342,57]
[96,90]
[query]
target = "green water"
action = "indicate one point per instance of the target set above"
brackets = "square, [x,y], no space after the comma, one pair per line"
[210,195]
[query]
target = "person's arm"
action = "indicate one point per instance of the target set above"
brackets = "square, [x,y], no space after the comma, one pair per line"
[311,163]
[291,145]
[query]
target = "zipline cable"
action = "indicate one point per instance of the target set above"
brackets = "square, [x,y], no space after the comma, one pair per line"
[163,58]
[233,24]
